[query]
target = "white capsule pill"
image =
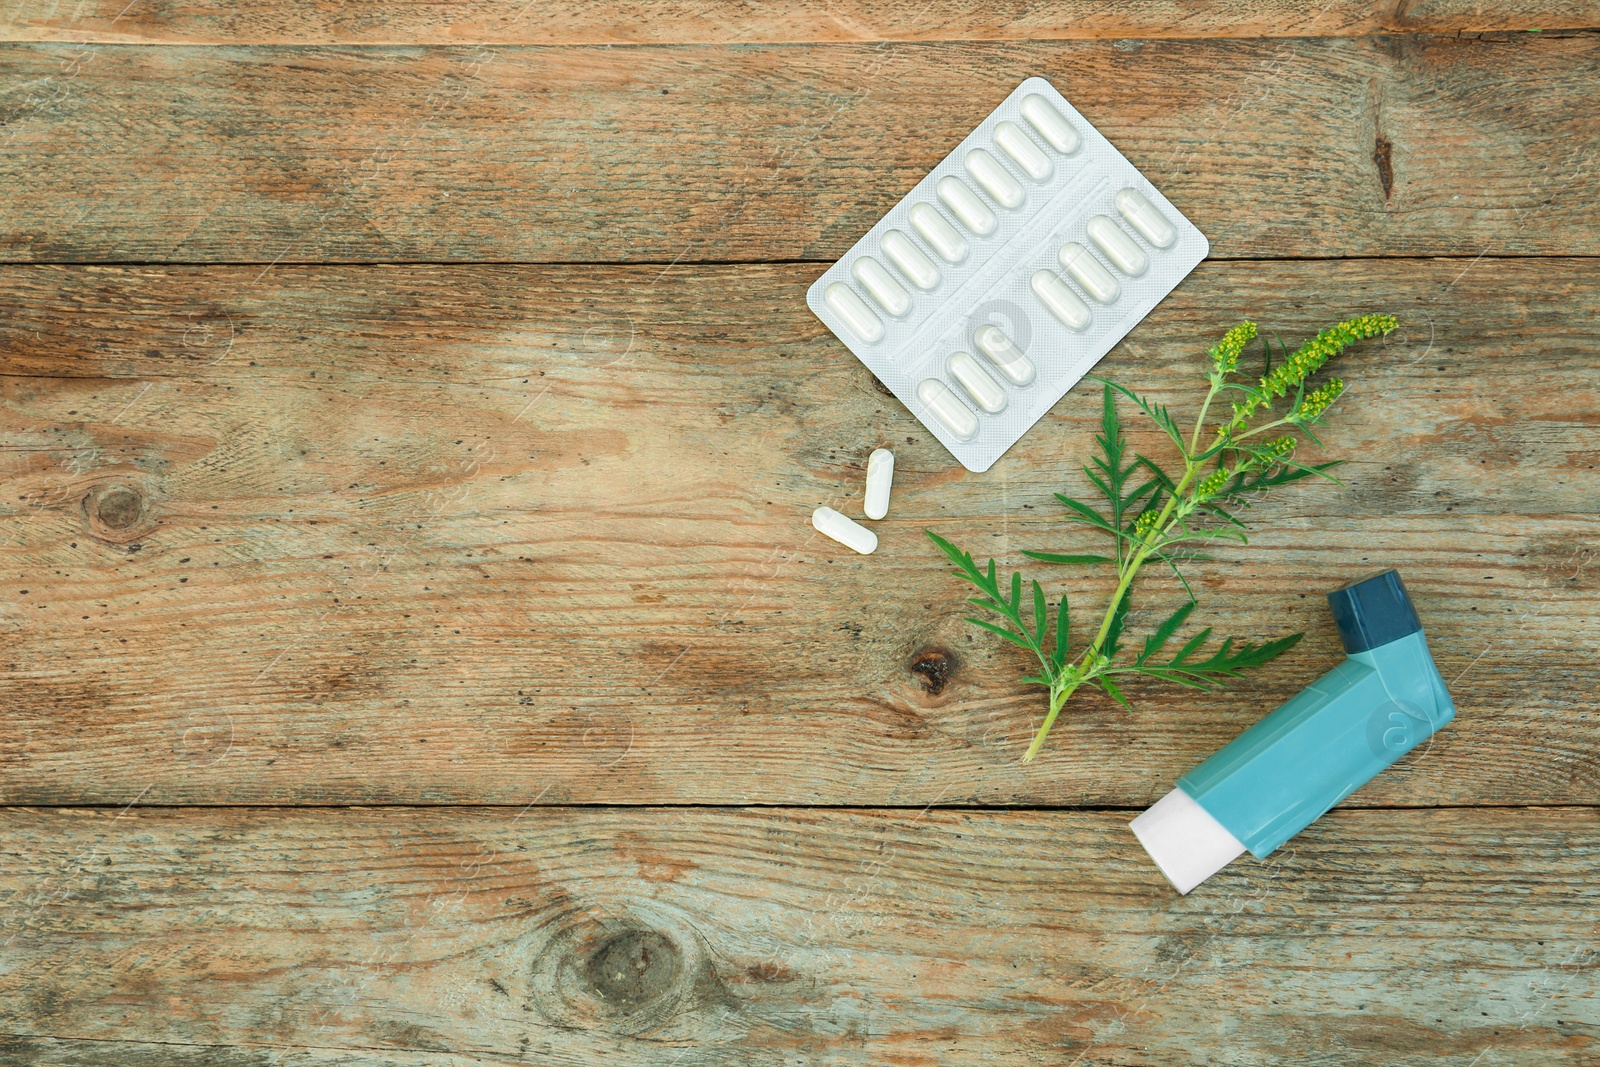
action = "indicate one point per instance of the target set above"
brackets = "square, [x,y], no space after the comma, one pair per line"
[995,179]
[984,390]
[854,311]
[877,281]
[1119,248]
[1056,130]
[1059,300]
[1023,152]
[1143,216]
[992,342]
[972,213]
[940,235]
[844,530]
[952,414]
[1087,272]
[909,260]
[880,476]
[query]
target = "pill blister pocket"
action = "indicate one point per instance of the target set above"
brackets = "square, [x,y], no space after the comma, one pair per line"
[1007,273]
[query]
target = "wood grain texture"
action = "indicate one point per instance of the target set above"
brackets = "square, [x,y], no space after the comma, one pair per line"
[512,22]
[455,533]
[767,937]
[512,534]
[1409,145]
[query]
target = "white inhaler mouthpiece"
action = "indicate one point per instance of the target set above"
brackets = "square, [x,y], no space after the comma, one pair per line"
[1185,841]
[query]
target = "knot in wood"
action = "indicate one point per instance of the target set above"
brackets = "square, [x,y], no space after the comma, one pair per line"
[631,970]
[119,507]
[116,512]
[933,666]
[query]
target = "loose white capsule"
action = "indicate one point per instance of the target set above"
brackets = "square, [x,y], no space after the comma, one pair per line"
[973,213]
[844,530]
[995,179]
[940,235]
[876,280]
[992,342]
[1023,152]
[880,476]
[1119,248]
[910,261]
[1056,131]
[1059,300]
[854,311]
[1087,272]
[1143,216]
[952,414]
[984,390]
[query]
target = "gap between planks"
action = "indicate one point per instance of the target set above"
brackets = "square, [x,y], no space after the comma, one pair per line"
[646,264]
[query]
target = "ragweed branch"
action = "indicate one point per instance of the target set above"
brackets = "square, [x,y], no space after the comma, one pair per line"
[1153,517]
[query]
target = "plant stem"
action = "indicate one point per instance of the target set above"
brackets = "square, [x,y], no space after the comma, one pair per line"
[1094,663]
[1058,700]
[1259,429]
[1147,545]
[1194,438]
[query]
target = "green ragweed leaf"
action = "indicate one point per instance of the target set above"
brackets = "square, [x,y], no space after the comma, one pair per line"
[1006,602]
[1058,656]
[1158,412]
[1084,513]
[1112,691]
[1230,660]
[1065,557]
[1163,633]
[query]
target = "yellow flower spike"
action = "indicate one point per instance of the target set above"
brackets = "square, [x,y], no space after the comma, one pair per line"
[1317,401]
[1213,484]
[1225,353]
[1310,357]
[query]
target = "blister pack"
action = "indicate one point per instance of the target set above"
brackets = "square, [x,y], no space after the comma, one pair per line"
[1007,273]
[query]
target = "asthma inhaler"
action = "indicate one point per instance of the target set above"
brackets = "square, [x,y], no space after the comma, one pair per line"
[1286,771]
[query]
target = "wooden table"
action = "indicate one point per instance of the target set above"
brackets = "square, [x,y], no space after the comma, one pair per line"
[416,651]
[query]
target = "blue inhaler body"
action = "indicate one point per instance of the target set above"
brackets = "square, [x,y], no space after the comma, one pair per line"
[1286,771]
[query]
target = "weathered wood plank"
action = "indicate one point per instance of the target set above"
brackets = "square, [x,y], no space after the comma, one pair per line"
[513,22]
[656,937]
[1304,148]
[508,534]
[17,1051]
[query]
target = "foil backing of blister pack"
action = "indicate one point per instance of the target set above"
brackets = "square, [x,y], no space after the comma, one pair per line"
[1007,273]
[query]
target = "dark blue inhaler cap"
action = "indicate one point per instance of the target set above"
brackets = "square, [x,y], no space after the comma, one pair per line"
[1373,612]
